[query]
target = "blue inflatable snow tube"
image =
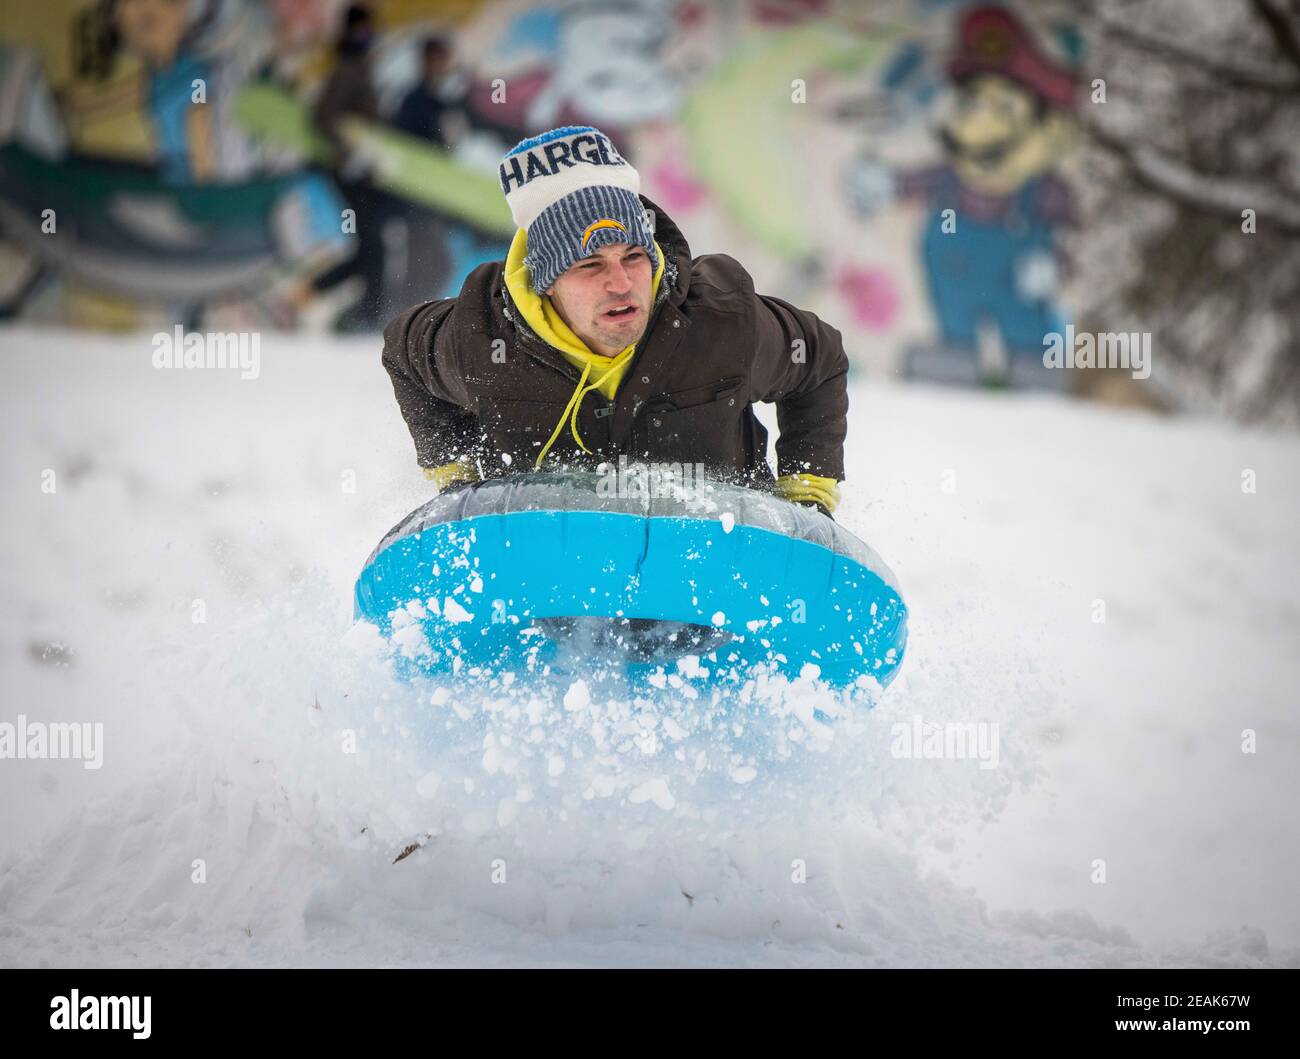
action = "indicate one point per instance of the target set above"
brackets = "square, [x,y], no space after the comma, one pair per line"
[507,575]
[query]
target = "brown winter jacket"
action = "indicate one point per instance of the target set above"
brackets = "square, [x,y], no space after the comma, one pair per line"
[475,382]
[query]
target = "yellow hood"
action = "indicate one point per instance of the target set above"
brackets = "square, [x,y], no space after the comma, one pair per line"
[542,317]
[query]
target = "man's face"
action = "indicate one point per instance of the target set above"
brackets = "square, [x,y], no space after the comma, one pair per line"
[605,298]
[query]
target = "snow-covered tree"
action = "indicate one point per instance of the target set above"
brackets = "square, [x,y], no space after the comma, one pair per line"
[1192,193]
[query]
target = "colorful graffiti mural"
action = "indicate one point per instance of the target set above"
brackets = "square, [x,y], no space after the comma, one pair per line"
[317,163]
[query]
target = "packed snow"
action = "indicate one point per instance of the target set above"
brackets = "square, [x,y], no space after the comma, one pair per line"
[1099,593]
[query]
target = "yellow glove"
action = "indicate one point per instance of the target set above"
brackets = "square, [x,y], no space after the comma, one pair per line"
[809,489]
[449,474]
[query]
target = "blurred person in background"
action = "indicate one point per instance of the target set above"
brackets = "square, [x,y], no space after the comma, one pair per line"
[434,106]
[421,259]
[350,92]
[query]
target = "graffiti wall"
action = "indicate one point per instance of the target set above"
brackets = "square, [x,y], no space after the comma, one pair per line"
[317,164]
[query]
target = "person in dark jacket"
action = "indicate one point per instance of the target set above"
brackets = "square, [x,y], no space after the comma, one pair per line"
[601,337]
[433,112]
[349,92]
[427,105]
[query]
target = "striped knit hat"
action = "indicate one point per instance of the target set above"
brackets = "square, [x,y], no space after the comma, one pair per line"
[573,193]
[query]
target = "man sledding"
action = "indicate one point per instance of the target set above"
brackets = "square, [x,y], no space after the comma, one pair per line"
[600,336]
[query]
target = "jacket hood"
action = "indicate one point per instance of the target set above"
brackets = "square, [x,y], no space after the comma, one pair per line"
[677,269]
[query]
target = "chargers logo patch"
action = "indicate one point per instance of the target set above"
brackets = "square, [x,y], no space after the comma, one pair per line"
[596,226]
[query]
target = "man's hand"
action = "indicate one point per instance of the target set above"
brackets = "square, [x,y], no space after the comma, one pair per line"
[810,491]
[450,475]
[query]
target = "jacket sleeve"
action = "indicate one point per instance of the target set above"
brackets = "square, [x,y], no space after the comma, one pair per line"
[429,385]
[801,366]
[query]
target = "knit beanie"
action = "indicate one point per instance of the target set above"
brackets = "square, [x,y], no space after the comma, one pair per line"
[573,193]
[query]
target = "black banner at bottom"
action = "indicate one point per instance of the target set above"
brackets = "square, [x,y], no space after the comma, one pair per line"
[333,1008]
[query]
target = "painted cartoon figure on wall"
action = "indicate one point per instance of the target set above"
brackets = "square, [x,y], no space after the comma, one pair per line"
[169,87]
[125,195]
[990,248]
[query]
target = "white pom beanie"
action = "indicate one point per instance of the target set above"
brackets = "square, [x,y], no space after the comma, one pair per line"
[573,193]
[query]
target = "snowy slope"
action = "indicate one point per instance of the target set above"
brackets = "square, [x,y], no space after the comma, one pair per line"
[1004,518]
